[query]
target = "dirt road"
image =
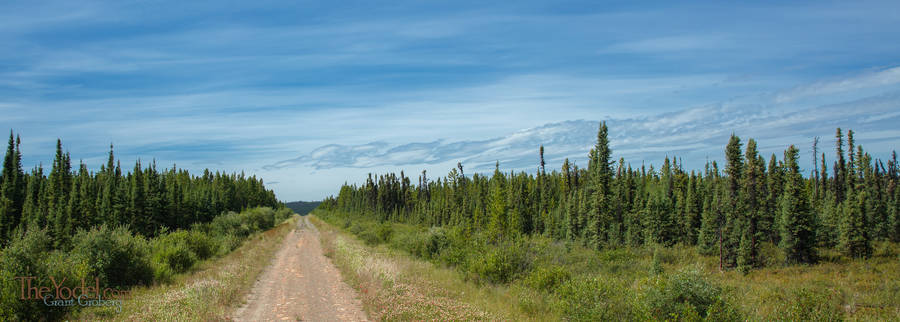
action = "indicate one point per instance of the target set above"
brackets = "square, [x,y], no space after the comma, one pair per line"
[301,284]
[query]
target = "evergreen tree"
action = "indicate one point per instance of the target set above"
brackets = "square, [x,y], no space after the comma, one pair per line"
[10,185]
[797,230]
[752,192]
[732,230]
[855,240]
[60,184]
[599,189]
[498,207]
[769,220]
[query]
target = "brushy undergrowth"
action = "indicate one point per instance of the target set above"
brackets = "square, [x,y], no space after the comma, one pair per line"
[116,258]
[208,293]
[564,280]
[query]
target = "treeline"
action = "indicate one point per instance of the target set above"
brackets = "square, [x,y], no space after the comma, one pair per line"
[302,207]
[730,212]
[145,199]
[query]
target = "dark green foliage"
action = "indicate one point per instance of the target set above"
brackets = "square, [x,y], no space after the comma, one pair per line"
[500,264]
[60,224]
[145,199]
[302,207]
[173,252]
[595,299]
[685,295]
[728,213]
[24,256]
[798,237]
[547,278]
[855,240]
[114,255]
[372,233]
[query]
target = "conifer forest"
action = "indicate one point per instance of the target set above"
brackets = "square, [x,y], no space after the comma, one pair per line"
[727,210]
[614,242]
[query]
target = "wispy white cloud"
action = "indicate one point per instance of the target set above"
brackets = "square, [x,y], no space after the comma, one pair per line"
[240,85]
[877,80]
[668,44]
[696,134]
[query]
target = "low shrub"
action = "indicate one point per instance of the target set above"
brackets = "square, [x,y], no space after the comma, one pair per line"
[227,243]
[383,232]
[229,223]
[886,249]
[410,241]
[436,241]
[770,255]
[174,251]
[595,299]
[24,257]
[683,295]
[806,304]
[114,255]
[259,218]
[547,278]
[459,247]
[499,264]
[283,214]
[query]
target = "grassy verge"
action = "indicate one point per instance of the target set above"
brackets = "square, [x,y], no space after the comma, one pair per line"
[535,278]
[208,293]
[395,286]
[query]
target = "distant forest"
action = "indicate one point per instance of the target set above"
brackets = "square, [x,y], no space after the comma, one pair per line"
[302,207]
[145,199]
[727,211]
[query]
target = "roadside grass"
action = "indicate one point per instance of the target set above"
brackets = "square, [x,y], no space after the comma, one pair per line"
[209,291]
[406,272]
[394,286]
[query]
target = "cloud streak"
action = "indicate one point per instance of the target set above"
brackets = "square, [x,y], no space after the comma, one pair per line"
[696,134]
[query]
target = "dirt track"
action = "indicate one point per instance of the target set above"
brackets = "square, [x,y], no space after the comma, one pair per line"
[301,284]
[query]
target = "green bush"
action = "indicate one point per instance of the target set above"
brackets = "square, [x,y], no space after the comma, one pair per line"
[356,228]
[547,278]
[229,223]
[24,257]
[436,241]
[115,256]
[805,304]
[383,232]
[411,241]
[200,243]
[227,243]
[595,299]
[681,295]
[173,251]
[886,249]
[259,218]
[500,264]
[283,214]
[460,246]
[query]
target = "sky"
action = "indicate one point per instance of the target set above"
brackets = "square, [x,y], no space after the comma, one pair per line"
[309,95]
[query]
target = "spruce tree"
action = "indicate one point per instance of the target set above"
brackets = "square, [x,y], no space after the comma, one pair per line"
[498,206]
[840,169]
[855,239]
[58,190]
[732,230]
[599,189]
[769,220]
[797,230]
[752,192]
[8,179]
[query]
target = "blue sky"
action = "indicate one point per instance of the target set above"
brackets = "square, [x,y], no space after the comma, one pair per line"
[309,95]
